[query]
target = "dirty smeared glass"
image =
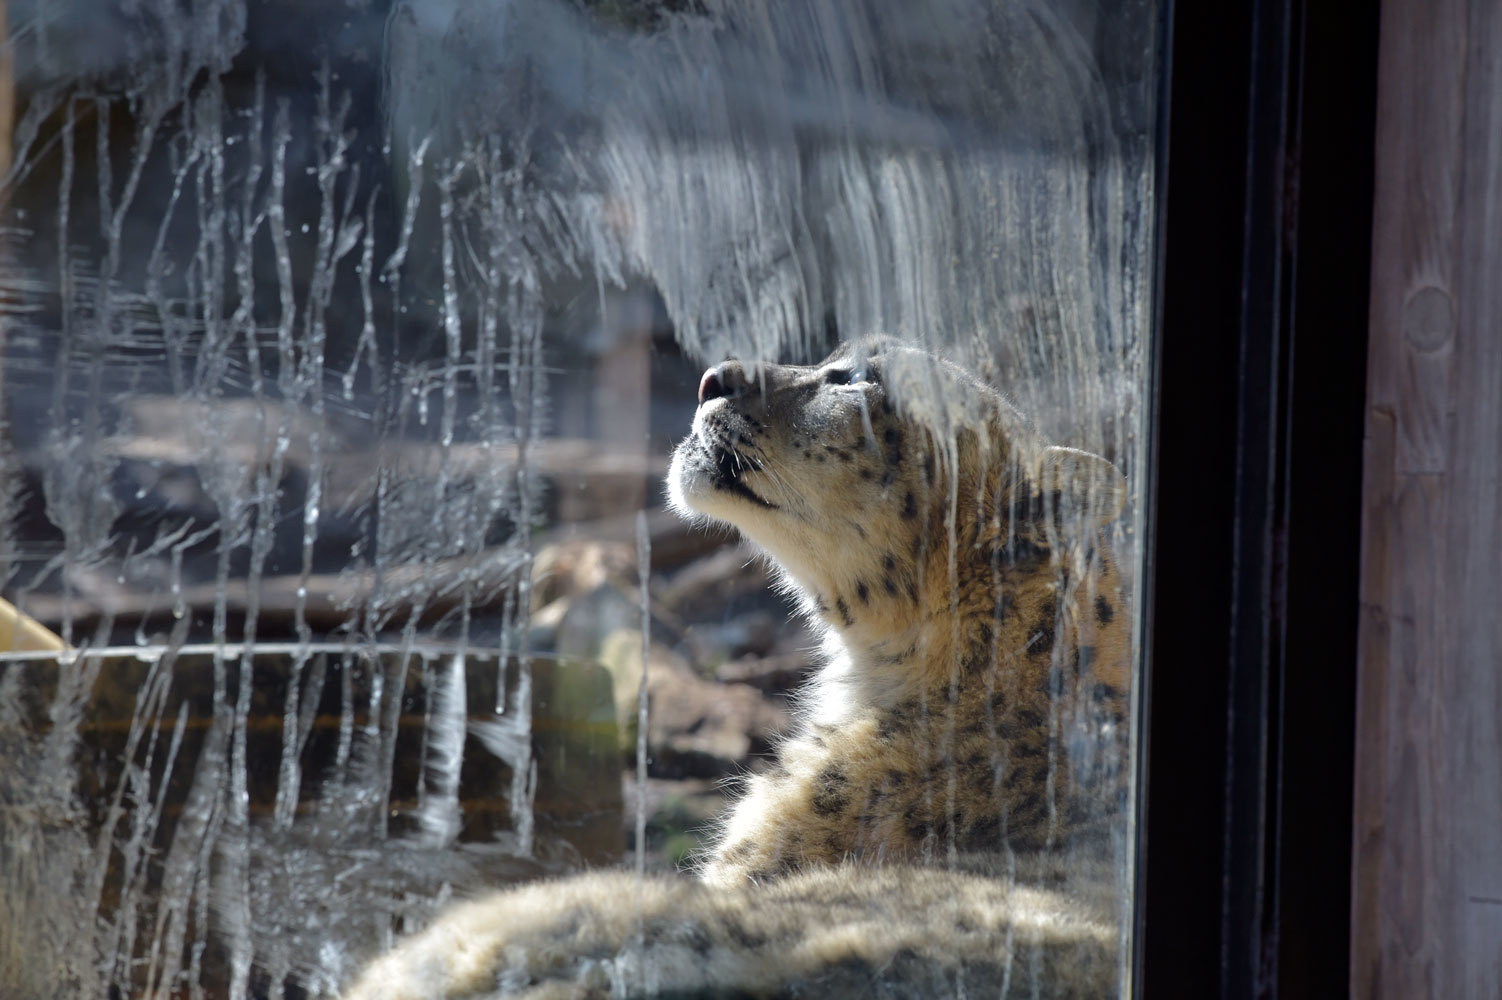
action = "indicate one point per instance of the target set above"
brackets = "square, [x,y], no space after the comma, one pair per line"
[344,345]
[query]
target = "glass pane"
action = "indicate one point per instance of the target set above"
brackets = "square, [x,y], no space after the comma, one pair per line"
[367,396]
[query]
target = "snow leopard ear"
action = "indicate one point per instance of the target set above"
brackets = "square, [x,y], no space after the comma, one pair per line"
[1085,484]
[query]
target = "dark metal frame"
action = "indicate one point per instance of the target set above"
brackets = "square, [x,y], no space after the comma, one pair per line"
[1253,543]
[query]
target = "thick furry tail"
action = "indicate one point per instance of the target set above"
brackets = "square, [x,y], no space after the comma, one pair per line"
[894,932]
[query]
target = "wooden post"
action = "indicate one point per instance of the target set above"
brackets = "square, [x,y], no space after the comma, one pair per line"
[1427,843]
[623,385]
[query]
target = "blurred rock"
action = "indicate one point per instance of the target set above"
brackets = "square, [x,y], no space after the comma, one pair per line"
[695,727]
[782,674]
[576,566]
[704,588]
[752,633]
[679,816]
[577,626]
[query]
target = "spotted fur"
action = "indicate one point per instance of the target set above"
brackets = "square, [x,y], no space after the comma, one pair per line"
[955,562]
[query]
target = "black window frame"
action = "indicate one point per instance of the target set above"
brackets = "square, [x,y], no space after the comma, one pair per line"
[1253,538]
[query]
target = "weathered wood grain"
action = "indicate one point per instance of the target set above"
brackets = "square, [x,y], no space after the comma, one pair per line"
[1427,841]
[1374,653]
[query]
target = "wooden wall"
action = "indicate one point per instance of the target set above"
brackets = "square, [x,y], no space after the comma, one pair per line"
[1427,885]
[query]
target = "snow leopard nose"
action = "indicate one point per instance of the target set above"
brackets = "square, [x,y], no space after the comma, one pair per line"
[725,379]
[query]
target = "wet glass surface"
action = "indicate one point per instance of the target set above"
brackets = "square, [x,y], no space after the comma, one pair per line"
[344,346]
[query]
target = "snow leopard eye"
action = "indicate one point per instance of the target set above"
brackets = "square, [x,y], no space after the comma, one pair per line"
[849,376]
